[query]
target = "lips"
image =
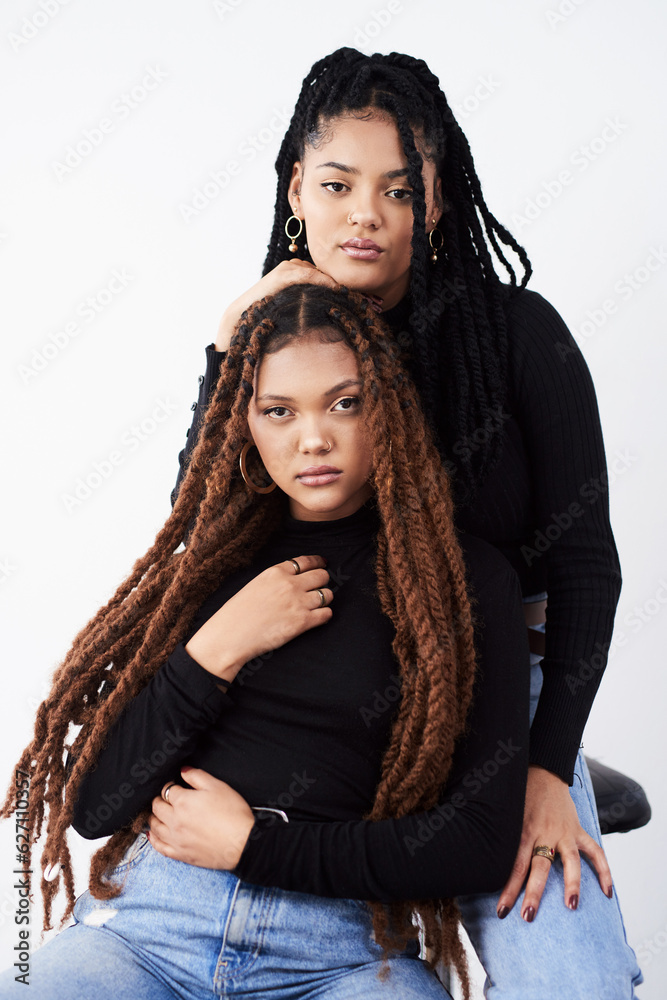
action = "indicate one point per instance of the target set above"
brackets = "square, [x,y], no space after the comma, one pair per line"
[319,475]
[317,470]
[362,244]
[362,253]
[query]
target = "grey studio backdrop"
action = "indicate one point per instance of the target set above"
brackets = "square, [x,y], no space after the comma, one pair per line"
[138,185]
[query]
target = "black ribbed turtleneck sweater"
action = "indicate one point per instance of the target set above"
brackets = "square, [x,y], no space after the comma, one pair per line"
[545,506]
[304,729]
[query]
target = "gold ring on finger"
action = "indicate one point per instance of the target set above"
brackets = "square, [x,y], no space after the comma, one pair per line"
[323,599]
[297,568]
[544,852]
[165,792]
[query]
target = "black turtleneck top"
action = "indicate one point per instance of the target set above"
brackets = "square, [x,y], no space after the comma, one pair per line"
[304,728]
[545,506]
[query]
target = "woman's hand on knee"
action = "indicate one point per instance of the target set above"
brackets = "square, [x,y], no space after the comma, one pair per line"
[550,820]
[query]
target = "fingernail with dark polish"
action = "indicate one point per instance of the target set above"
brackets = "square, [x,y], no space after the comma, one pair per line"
[609,891]
[529,915]
[503,911]
[574,902]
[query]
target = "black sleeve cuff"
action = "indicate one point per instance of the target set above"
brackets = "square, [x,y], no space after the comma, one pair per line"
[200,684]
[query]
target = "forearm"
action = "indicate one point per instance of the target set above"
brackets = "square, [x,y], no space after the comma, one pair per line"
[584,584]
[466,844]
[207,382]
[572,539]
[153,735]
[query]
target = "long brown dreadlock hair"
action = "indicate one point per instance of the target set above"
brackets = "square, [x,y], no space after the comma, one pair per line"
[420,580]
[457,327]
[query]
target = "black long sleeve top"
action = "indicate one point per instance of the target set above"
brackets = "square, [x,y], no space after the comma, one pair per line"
[545,506]
[304,729]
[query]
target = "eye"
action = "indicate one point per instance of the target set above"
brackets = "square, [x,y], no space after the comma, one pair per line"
[328,184]
[352,400]
[271,411]
[405,191]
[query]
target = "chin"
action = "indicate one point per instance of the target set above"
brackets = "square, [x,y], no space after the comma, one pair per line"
[323,506]
[327,507]
[358,275]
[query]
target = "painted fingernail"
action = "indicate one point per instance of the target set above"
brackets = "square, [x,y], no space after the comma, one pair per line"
[609,891]
[529,915]
[503,911]
[573,902]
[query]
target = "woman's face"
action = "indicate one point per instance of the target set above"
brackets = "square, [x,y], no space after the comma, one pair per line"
[342,192]
[304,415]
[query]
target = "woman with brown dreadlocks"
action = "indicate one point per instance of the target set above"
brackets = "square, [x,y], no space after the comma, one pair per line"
[377,189]
[312,649]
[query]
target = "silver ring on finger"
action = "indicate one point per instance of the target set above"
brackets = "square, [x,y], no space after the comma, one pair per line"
[165,792]
[297,568]
[323,599]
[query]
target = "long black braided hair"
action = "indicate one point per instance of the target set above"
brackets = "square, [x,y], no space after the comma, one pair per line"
[457,325]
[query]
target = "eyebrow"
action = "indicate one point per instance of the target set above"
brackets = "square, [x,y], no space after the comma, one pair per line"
[329,392]
[390,174]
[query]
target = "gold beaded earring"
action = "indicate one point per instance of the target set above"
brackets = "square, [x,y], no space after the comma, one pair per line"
[434,255]
[293,246]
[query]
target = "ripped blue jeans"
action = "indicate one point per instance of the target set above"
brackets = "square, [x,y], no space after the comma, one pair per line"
[179,931]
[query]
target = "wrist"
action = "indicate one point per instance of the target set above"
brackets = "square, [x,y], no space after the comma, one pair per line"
[222,665]
[225,330]
[250,834]
[537,773]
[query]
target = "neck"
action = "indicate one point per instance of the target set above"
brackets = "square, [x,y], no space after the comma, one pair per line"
[396,293]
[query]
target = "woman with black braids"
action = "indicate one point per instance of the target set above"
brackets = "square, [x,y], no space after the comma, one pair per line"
[310,651]
[377,189]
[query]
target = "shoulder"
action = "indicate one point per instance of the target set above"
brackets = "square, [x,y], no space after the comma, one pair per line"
[529,312]
[538,337]
[525,306]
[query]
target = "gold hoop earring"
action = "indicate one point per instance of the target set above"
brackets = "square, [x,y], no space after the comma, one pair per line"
[434,255]
[293,247]
[244,471]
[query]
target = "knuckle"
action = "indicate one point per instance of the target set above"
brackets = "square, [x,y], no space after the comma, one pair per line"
[540,868]
[537,882]
[518,868]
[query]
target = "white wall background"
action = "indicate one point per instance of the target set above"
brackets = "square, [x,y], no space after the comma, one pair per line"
[534,84]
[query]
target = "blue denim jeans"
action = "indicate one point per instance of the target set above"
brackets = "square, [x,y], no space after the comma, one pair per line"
[574,954]
[194,933]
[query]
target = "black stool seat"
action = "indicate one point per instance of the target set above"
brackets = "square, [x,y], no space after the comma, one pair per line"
[621,801]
